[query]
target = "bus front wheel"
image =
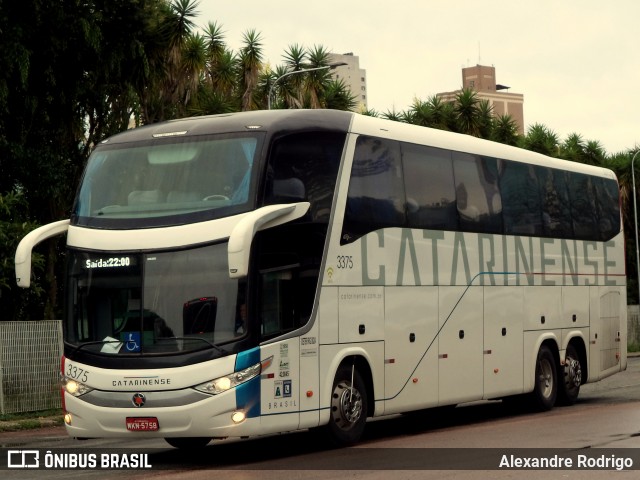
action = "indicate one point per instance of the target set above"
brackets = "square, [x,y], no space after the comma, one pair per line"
[348,407]
[545,389]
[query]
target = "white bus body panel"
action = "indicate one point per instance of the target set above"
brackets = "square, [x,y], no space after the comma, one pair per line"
[503,341]
[460,369]
[411,369]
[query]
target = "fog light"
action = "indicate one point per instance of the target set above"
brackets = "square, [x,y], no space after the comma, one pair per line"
[67,418]
[238,417]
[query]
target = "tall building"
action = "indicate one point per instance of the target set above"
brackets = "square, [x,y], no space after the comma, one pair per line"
[482,79]
[353,76]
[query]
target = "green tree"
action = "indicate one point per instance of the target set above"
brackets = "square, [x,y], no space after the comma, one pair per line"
[420,113]
[337,95]
[467,112]
[222,64]
[317,81]
[541,139]
[170,79]
[394,115]
[573,148]
[250,64]
[60,96]
[505,130]
[289,89]
[13,226]
[485,119]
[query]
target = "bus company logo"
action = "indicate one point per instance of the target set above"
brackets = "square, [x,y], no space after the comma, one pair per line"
[330,274]
[23,459]
[138,400]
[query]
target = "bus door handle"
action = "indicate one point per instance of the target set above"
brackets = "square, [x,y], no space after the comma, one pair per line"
[361,329]
[461,334]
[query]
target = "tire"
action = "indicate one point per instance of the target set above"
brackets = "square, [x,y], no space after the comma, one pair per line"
[348,414]
[188,443]
[545,390]
[570,375]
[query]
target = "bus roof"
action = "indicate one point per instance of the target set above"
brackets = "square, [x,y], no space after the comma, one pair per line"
[269,120]
[334,120]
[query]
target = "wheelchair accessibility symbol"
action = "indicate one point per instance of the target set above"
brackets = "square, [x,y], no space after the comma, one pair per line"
[132,341]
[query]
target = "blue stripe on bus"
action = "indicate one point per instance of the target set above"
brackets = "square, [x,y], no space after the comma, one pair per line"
[248,394]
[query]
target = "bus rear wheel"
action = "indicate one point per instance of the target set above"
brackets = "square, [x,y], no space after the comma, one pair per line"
[545,389]
[348,407]
[570,377]
[188,443]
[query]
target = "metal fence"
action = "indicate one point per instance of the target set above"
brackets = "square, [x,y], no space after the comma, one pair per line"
[29,365]
[30,361]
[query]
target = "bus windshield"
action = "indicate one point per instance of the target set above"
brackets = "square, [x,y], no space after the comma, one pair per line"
[167,181]
[155,303]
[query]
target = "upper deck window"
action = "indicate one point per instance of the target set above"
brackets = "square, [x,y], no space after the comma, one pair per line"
[168,182]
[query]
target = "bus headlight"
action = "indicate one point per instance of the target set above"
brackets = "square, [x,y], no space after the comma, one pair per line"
[222,384]
[73,387]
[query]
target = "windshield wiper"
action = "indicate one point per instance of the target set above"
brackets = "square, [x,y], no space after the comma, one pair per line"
[212,345]
[116,350]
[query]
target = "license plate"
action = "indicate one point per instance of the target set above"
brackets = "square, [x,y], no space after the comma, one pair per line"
[142,424]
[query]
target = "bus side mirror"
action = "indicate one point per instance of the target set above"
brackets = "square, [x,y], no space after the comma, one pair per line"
[261,219]
[30,240]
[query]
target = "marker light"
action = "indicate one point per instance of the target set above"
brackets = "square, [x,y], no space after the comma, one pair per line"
[67,418]
[222,384]
[73,387]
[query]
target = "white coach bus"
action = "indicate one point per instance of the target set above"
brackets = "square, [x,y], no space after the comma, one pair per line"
[261,272]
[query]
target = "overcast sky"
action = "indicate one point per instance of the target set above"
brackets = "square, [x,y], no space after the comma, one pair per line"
[577,62]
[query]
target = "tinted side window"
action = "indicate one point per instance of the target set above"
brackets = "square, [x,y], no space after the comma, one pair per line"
[376,192]
[477,194]
[554,195]
[583,206]
[608,208]
[431,194]
[521,208]
[304,167]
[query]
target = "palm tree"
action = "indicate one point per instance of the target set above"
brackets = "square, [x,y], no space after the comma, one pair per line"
[393,115]
[337,95]
[421,113]
[505,130]
[370,113]
[467,112]
[541,139]
[573,148]
[167,81]
[193,63]
[178,80]
[594,153]
[291,87]
[221,62]
[485,119]
[216,46]
[442,112]
[250,63]
[317,81]
[285,92]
